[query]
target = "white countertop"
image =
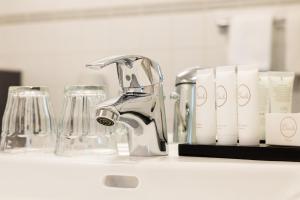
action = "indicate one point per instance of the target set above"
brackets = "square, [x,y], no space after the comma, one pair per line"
[46,176]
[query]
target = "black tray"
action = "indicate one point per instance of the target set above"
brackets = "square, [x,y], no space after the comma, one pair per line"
[263,152]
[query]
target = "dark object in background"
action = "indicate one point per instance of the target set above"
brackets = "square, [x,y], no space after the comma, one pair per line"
[7,78]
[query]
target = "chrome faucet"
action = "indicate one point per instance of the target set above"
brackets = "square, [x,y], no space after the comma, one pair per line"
[140,106]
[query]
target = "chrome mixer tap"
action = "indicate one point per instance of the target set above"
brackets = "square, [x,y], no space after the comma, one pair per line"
[140,105]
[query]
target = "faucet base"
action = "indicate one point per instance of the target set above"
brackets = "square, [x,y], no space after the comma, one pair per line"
[143,140]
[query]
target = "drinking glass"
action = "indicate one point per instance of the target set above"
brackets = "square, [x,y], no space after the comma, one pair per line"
[79,132]
[28,123]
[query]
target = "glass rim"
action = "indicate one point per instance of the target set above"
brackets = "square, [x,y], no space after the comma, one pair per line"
[27,88]
[71,88]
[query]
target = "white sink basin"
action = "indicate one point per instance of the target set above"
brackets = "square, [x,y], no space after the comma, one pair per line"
[42,177]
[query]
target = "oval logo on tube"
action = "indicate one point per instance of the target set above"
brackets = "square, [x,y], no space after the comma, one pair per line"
[244,95]
[202,95]
[221,95]
[288,127]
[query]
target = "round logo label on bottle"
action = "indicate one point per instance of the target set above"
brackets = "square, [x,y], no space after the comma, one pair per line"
[244,95]
[221,97]
[288,127]
[201,95]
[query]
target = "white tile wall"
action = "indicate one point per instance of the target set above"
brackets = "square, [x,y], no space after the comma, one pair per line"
[54,53]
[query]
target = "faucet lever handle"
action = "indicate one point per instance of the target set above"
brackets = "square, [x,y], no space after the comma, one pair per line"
[148,72]
[119,60]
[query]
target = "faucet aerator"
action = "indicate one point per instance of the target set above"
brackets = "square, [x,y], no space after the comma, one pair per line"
[105,121]
[106,116]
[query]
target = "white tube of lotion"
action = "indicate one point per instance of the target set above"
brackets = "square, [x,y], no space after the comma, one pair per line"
[226,103]
[281,91]
[264,101]
[205,107]
[248,112]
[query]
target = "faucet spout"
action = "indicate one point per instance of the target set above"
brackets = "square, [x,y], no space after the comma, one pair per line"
[142,113]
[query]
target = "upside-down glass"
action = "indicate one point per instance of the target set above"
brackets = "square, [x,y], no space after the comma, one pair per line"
[79,132]
[28,123]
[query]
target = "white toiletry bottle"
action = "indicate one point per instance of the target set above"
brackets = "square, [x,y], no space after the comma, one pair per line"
[226,104]
[264,101]
[281,91]
[205,107]
[248,102]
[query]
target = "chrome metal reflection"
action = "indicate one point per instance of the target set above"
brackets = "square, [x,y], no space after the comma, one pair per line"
[184,128]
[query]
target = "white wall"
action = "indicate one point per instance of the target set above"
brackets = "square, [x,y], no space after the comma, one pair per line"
[53,53]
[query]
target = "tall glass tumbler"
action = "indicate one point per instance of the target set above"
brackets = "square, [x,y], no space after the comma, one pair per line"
[28,123]
[79,132]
